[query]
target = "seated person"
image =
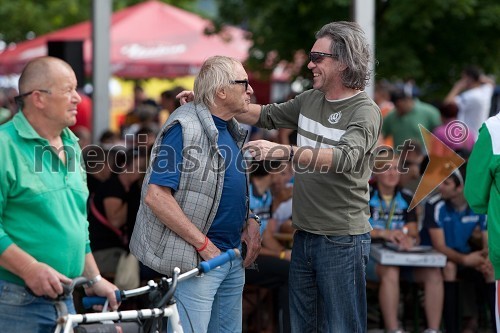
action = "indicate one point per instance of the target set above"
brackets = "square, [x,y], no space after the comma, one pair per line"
[282,191]
[112,209]
[392,222]
[412,157]
[274,260]
[451,223]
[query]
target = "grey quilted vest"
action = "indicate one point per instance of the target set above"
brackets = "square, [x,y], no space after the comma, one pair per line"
[199,193]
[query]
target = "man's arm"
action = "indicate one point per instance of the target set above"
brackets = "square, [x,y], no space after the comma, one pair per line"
[100,287]
[252,116]
[251,237]
[249,118]
[457,88]
[473,259]
[319,158]
[359,137]
[166,208]
[42,279]
[312,158]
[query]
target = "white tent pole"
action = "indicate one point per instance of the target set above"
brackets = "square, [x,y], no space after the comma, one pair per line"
[101,70]
[364,14]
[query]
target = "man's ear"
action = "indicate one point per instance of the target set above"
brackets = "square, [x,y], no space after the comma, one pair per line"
[221,93]
[342,67]
[39,99]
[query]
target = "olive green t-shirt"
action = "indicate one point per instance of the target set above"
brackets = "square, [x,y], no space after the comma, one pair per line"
[330,201]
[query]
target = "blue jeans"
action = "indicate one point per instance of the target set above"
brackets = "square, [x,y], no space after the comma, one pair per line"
[21,311]
[212,302]
[327,283]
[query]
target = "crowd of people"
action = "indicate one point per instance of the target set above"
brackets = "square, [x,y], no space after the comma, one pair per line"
[304,170]
[444,220]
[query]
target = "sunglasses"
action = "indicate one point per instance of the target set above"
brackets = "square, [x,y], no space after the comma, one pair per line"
[245,82]
[316,57]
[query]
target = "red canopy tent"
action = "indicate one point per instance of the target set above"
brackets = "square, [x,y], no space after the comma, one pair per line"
[150,39]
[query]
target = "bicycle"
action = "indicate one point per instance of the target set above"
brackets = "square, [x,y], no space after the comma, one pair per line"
[137,321]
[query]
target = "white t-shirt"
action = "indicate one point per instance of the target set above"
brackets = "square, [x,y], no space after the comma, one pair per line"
[283,212]
[474,107]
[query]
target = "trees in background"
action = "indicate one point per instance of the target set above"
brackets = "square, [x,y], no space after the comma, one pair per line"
[20,17]
[429,41]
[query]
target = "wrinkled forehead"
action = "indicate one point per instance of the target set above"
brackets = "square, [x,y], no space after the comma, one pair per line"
[240,71]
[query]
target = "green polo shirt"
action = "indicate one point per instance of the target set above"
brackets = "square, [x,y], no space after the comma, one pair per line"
[405,127]
[42,200]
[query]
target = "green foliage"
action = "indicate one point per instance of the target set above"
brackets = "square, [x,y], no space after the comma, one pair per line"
[429,41]
[19,17]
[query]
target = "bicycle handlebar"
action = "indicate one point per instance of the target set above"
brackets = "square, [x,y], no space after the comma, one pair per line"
[89,301]
[203,267]
[207,266]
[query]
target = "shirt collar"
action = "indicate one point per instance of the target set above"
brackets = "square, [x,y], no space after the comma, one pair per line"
[26,131]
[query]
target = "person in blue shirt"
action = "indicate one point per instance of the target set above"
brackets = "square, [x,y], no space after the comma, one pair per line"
[451,224]
[195,204]
[273,262]
[259,192]
[392,222]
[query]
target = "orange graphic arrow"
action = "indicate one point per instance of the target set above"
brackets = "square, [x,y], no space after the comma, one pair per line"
[443,161]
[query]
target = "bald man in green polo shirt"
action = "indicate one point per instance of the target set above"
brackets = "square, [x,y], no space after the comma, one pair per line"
[43,220]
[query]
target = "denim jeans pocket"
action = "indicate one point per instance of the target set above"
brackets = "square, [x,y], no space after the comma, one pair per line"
[347,241]
[12,294]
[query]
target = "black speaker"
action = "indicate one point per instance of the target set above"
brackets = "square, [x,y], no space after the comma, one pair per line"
[72,53]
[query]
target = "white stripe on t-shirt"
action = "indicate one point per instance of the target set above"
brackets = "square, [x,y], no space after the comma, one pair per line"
[318,129]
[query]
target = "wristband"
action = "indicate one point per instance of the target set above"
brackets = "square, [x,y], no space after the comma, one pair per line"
[204,246]
[93,281]
[256,218]
[290,158]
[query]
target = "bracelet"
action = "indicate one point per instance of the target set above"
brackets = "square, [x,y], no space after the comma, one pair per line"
[290,158]
[282,254]
[204,246]
[93,281]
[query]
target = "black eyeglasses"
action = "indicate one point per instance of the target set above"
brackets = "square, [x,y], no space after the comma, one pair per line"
[316,57]
[19,97]
[245,82]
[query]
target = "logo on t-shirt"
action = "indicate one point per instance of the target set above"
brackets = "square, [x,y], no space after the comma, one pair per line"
[335,117]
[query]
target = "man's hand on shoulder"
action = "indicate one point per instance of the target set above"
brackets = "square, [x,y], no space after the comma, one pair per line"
[185,96]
